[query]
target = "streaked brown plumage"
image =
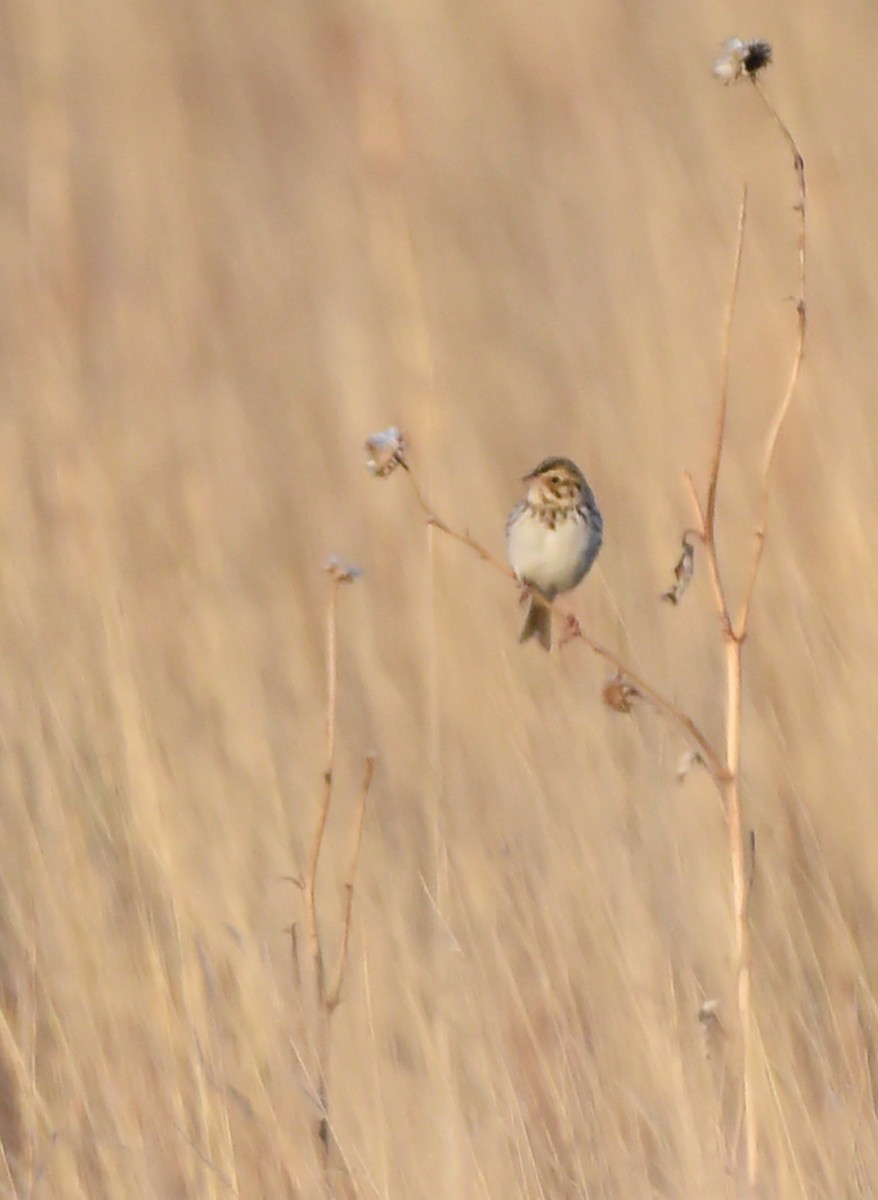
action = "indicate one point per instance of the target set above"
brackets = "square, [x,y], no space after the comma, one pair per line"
[552,538]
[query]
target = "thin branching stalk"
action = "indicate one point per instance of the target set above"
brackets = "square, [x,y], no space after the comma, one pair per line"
[321,1016]
[646,691]
[314,941]
[708,516]
[740,899]
[436,522]
[325,1001]
[662,703]
[783,408]
[735,633]
[725,766]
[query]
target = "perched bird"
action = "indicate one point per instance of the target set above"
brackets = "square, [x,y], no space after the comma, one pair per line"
[552,538]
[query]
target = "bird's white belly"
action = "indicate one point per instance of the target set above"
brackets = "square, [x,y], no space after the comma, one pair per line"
[553,560]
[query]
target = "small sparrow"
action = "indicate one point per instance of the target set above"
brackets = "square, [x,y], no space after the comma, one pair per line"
[552,538]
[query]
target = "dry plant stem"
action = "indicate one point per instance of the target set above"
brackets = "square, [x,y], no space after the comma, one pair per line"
[334,994]
[323,812]
[740,897]
[321,1015]
[801,309]
[325,1002]
[726,359]
[708,517]
[465,538]
[734,648]
[659,701]
[735,632]
[662,704]
[733,640]
[734,815]
[783,407]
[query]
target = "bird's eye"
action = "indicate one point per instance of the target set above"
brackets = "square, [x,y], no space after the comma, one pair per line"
[556,479]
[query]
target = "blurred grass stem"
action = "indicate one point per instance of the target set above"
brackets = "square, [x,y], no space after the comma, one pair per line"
[326,1000]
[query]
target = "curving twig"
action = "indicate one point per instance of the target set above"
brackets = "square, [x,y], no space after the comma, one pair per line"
[783,408]
[326,999]
[707,517]
[657,699]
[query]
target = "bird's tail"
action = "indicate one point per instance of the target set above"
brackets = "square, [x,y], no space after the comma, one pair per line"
[538,623]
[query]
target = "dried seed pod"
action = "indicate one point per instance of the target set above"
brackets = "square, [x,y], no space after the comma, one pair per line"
[683,573]
[619,694]
[741,57]
[341,571]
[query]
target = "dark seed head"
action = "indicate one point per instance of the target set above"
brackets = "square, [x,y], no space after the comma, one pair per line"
[757,55]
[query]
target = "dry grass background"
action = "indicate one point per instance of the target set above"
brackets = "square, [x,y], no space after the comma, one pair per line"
[237,238]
